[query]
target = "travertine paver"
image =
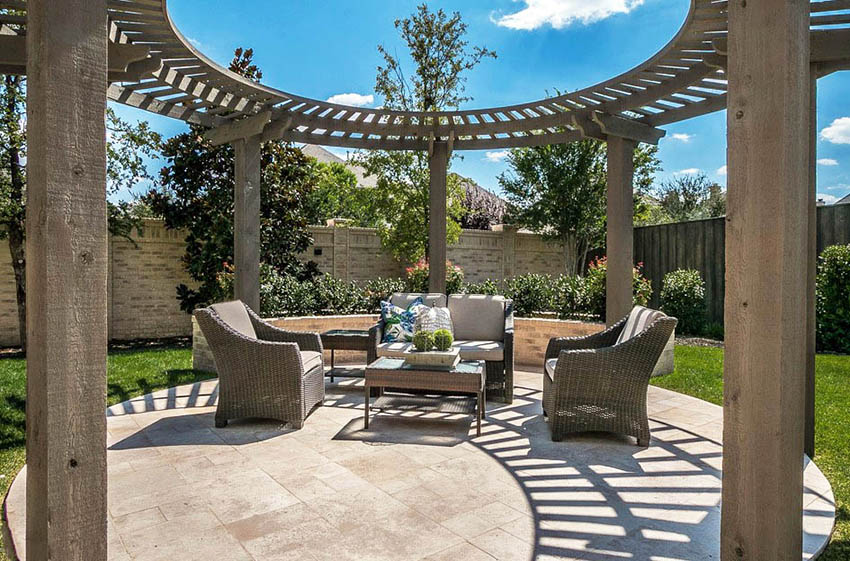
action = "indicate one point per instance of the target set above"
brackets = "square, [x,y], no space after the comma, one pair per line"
[413,487]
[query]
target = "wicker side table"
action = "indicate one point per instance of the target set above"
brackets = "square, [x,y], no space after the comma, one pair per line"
[467,377]
[345,340]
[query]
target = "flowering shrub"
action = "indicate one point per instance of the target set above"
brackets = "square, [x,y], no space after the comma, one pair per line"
[594,289]
[833,299]
[683,297]
[417,277]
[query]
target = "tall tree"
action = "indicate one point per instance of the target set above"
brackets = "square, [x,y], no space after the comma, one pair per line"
[559,191]
[691,197]
[197,195]
[441,57]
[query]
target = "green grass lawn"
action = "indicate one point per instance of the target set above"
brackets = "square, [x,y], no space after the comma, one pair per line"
[698,373]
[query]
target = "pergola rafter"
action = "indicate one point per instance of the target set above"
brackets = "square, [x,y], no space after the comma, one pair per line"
[131,51]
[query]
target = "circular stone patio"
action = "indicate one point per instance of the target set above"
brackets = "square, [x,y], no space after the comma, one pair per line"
[417,486]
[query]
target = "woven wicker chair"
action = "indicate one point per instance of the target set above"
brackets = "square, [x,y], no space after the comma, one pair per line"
[263,371]
[599,382]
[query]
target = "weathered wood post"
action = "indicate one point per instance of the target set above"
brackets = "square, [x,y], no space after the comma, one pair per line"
[438,167]
[620,234]
[246,221]
[767,254]
[66,272]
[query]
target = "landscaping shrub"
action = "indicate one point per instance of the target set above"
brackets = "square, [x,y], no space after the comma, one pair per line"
[833,299]
[337,297]
[594,288]
[531,293]
[488,286]
[380,289]
[683,297]
[285,295]
[417,277]
[570,300]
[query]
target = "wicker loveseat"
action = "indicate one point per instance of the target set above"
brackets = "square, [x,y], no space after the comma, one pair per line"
[599,382]
[263,371]
[483,330]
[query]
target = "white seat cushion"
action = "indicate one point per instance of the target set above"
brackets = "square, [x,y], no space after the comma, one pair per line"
[639,320]
[310,360]
[550,367]
[395,349]
[236,316]
[481,350]
[430,299]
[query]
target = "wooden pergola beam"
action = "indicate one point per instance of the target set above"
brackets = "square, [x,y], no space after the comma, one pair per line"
[438,168]
[66,280]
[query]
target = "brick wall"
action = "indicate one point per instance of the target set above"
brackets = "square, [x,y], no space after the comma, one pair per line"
[143,276]
[142,297]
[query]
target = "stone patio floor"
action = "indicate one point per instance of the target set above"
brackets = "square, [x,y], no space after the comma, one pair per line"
[414,486]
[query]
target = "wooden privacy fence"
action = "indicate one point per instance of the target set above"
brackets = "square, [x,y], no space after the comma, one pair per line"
[701,245]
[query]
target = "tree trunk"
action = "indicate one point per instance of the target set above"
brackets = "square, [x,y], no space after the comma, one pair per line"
[16,225]
[570,242]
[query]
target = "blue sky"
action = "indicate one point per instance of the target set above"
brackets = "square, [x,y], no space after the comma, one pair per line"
[327,49]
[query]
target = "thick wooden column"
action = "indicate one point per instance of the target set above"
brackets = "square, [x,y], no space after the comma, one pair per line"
[66,276]
[620,235]
[438,165]
[766,281]
[811,266]
[246,222]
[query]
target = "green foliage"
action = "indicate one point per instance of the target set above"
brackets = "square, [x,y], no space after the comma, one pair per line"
[531,293]
[833,299]
[443,339]
[570,299]
[337,195]
[441,58]
[488,286]
[595,287]
[417,277]
[683,297]
[336,296]
[423,340]
[690,197]
[559,191]
[380,289]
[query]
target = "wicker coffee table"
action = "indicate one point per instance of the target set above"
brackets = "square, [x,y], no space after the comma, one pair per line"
[467,378]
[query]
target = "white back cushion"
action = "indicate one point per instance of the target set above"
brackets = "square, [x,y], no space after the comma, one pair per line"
[236,316]
[639,319]
[477,316]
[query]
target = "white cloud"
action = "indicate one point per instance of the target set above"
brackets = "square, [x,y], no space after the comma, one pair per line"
[689,171]
[353,99]
[828,199]
[496,156]
[721,170]
[839,187]
[197,44]
[838,132]
[681,137]
[561,13]
[827,162]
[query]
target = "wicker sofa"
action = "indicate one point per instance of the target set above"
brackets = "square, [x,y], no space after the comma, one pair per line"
[263,371]
[483,330]
[599,382]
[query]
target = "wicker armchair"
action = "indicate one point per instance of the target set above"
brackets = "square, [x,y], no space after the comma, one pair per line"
[599,382]
[263,371]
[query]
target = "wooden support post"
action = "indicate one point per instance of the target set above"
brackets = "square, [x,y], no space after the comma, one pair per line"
[811,265]
[246,222]
[620,235]
[66,275]
[439,165]
[766,260]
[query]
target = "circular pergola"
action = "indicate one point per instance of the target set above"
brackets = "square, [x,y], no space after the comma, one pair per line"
[759,58]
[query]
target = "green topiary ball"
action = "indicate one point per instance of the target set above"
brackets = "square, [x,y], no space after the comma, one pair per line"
[423,340]
[443,339]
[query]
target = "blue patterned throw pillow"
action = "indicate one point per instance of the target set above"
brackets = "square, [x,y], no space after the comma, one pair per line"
[398,322]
